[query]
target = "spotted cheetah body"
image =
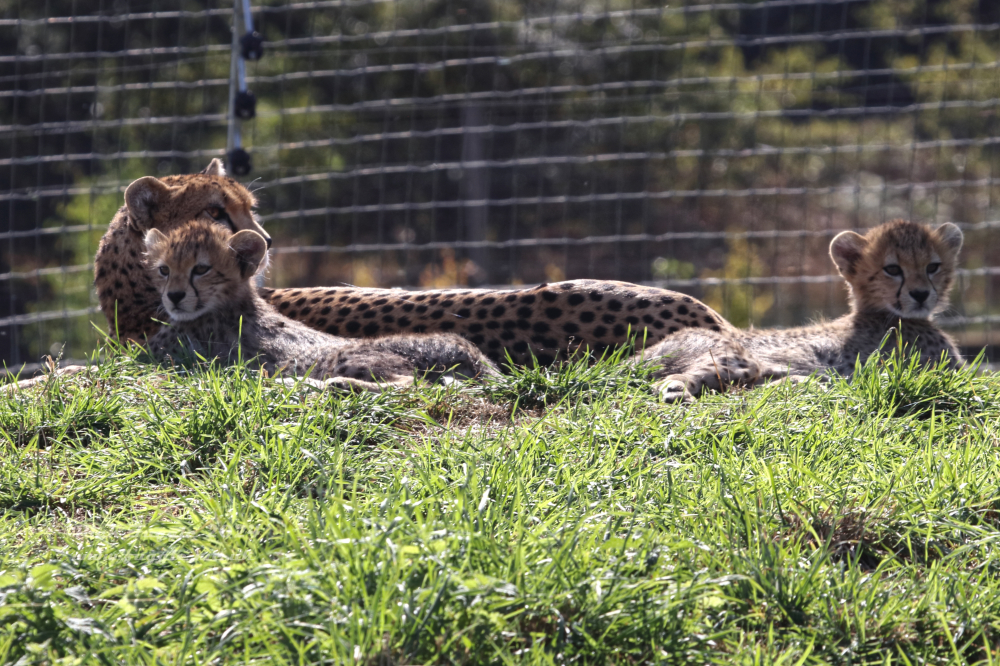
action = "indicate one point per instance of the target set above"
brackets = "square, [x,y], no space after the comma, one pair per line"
[203,274]
[549,322]
[898,274]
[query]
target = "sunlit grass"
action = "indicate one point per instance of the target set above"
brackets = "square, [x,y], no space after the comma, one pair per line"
[175,516]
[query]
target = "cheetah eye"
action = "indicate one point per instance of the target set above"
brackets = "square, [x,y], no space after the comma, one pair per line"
[164,271]
[215,213]
[200,269]
[933,268]
[893,269]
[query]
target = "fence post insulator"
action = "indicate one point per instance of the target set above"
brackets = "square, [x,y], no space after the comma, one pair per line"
[245,105]
[239,162]
[252,46]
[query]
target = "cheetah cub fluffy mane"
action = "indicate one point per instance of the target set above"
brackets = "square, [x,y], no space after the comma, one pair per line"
[898,275]
[203,273]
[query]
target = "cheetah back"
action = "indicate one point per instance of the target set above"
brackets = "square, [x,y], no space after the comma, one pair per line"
[550,321]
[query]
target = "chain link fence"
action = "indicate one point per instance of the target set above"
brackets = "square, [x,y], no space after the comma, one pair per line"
[711,148]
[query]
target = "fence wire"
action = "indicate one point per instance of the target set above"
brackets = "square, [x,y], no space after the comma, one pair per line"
[712,148]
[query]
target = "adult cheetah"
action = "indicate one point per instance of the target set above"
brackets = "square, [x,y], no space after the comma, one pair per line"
[898,275]
[548,322]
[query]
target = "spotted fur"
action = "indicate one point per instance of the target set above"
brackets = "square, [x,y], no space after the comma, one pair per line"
[203,275]
[898,275]
[548,322]
[125,289]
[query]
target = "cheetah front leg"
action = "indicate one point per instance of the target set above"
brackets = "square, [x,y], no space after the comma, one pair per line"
[708,372]
[694,360]
[353,380]
[353,384]
[398,360]
[350,384]
[392,381]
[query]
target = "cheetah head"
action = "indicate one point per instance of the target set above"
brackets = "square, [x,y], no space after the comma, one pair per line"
[168,203]
[200,266]
[900,266]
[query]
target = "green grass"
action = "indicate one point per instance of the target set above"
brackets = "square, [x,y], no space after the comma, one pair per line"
[205,517]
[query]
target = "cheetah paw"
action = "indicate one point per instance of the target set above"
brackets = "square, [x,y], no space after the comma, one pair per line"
[674,390]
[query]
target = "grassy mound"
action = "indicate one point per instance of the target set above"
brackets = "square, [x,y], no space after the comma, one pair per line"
[214,516]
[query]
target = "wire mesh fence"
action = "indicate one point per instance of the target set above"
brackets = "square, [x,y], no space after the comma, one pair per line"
[712,148]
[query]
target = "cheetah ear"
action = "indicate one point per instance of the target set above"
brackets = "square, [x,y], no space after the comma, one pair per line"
[156,240]
[250,249]
[846,250]
[143,198]
[214,168]
[951,236]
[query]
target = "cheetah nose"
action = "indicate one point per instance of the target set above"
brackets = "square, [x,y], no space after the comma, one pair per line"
[920,295]
[176,296]
[268,239]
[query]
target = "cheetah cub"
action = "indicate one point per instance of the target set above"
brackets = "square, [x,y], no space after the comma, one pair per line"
[204,274]
[898,275]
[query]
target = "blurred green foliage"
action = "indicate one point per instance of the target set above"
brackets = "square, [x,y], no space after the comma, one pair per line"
[579,119]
